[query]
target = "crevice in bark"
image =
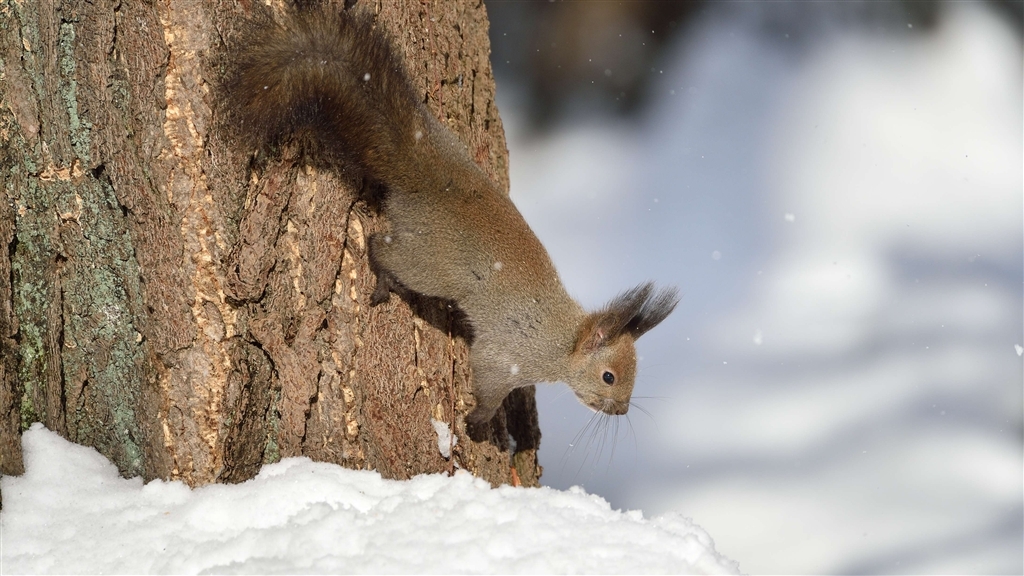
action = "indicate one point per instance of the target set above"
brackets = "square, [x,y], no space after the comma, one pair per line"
[58,334]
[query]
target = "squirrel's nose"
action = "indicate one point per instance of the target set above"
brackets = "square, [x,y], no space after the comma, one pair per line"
[614,407]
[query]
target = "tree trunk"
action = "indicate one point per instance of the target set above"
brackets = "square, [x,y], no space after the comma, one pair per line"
[191,313]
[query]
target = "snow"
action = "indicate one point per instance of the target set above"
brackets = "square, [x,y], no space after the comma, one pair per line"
[445,439]
[71,513]
[863,191]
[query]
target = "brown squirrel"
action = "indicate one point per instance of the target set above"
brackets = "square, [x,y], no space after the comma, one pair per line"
[453,233]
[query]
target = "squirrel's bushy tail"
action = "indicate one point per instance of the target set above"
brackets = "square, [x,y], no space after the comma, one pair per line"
[329,73]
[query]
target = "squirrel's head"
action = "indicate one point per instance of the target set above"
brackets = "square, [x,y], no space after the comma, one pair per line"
[603,362]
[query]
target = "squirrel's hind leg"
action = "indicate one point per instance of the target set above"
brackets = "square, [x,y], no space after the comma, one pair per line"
[382,292]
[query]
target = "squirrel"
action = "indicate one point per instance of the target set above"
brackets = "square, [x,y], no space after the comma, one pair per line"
[453,233]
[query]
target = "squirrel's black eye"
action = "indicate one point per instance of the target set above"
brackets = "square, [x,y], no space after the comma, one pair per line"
[608,378]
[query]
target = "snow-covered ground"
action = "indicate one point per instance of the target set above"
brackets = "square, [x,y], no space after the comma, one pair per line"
[72,514]
[840,389]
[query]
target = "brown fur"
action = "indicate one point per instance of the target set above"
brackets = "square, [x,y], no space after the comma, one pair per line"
[454,234]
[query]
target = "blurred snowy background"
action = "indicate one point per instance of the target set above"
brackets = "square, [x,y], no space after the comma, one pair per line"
[837,189]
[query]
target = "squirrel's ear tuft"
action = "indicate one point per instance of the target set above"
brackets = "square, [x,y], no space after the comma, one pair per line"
[620,315]
[654,309]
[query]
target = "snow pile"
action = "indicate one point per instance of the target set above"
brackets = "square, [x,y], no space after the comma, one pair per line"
[72,513]
[445,439]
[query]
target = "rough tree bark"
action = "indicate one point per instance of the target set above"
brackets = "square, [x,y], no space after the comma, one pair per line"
[194,314]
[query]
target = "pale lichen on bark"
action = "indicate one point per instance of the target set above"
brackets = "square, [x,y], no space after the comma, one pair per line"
[75,280]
